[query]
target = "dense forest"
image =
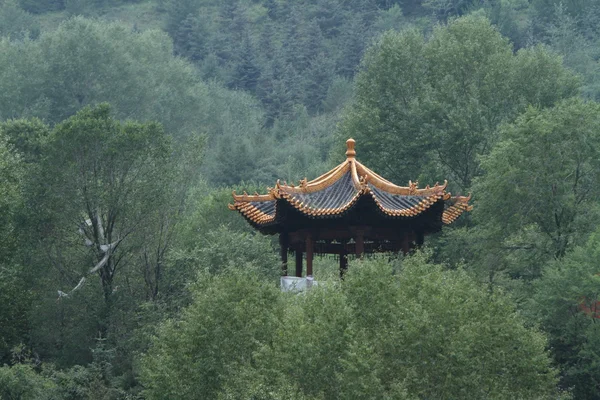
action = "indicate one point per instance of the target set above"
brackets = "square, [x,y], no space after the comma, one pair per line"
[125,125]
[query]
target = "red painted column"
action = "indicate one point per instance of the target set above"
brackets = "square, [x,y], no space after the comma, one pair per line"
[360,244]
[309,255]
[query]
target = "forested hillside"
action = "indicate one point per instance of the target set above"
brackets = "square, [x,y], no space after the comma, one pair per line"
[125,125]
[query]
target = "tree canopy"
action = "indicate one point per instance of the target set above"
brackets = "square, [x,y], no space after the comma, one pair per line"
[540,185]
[126,124]
[430,107]
[418,332]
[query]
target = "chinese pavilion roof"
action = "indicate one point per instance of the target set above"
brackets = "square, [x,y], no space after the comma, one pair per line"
[336,193]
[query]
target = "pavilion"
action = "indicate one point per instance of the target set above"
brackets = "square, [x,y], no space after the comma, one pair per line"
[348,210]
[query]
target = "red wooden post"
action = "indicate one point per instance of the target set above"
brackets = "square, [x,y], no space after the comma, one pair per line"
[309,255]
[360,244]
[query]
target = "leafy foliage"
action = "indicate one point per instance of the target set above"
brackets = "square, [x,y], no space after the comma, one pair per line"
[538,195]
[429,108]
[201,353]
[101,174]
[22,382]
[16,23]
[241,93]
[566,304]
[11,197]
[14,293]
[286,53]
[422,332]
[100,68]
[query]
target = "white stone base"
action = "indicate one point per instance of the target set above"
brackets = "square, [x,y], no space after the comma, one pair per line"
[295,284]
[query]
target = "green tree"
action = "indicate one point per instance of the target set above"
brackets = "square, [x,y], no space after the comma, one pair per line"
[17,23]
[42,6]
[577,45]
[108,62]
[512,19]
[27,136]
[429,108]
[444,9]
[103,178]
[23,383]
[352,44]
[231,317]
[177,11]
[412,330]
[11,196]
[390,19]
[190,39]
[15,293]
[246,71]
[442,335]
[538,197]
[321,70]
[545,9]
[237,140]
[566,288]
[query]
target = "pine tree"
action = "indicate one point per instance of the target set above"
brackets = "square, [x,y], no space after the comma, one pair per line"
[292,43]
[330,15]
[352,43]
[197,41]
[273,92]
[182,35]
[272,9]
[312,42]
[246,71]
[227,9]
[177,11]
[266,45]
[318,78]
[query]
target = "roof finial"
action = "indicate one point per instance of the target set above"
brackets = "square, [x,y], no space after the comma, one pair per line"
[350,153]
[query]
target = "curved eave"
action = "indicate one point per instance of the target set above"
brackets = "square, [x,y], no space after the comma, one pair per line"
[413,211]
[260,218]
[252,213]
[320,183]
[458,205]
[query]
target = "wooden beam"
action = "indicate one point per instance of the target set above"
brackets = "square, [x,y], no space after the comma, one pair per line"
[284,246]
[309,255]
[369,247]
[299,263]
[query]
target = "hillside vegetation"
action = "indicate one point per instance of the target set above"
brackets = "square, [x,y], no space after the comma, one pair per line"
[125,125]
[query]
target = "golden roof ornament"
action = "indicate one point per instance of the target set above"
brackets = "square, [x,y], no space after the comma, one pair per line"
[412,187]
[350,152]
